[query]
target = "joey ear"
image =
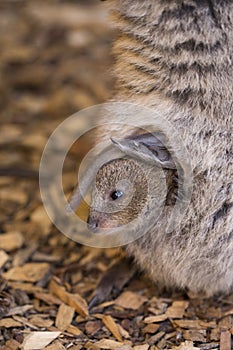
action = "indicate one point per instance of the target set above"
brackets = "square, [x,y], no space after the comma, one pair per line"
[148,147]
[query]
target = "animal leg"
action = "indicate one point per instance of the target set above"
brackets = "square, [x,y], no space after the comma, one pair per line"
[113,280]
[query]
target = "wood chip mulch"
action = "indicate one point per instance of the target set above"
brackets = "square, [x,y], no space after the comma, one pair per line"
[54,61]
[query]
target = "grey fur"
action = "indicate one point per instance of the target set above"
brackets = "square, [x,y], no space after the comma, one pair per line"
[176,57]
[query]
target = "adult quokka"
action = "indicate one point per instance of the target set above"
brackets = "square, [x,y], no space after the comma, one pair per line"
[176,58]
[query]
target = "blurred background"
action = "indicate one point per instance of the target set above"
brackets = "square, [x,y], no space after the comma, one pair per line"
[55,60]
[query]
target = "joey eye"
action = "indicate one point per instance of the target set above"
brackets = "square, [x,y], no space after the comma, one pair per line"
[116,194]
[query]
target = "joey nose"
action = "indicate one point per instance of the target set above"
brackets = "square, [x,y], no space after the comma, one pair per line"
[92,223]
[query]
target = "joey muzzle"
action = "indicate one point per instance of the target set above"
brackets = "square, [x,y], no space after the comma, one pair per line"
[98,221]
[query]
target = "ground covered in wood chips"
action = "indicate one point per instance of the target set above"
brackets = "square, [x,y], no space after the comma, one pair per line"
[55,61]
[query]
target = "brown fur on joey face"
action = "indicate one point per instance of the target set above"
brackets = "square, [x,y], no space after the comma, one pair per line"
[119,196]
